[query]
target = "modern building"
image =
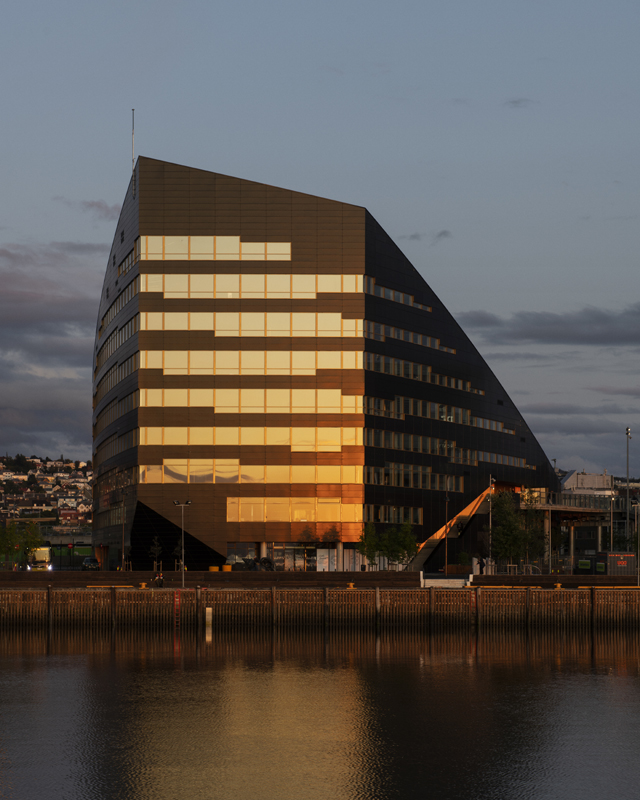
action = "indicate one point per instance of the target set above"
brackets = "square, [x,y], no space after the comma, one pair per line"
[275,360]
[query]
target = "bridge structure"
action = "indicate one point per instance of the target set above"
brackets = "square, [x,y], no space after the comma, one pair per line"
[567,508]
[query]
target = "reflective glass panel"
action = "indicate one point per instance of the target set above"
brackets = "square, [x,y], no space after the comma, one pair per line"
[154,247]
[277,473]
[154,473]
[154,283]
[253,251]
[154,320]
[175,471]
[252,401]
[176,397]
[304,400]
[350,359]
[176,248]
[329,324]
[227,362]
[329,283]
[154,359]
[233,509]
[227,401]
[303,509]
[153,436]
[201,286]
[252,473]
[227,470]
[228,248]
[201,436]
[253,436]
[154,397]
[201,362]
[278,401]
[278,324]
[303,440]
[252,362]
[303,473]
[278,251]
[252,324]
[176,285]
[328,509]
[176,436]
[303,286]
[303,324]
[329,401]
[227,436]
[176,321]
[328,440]
[278,363]
[303,362]
[277,509]
[252,286]
[201,248]
[227,286]
[350,283]
[329,473]
[251,509]
[278,286]
[202,398]
[176,362]
[329,359]
[201,321]
[278,436]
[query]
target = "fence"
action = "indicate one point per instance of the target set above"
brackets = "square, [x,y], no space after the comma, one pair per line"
[300,609]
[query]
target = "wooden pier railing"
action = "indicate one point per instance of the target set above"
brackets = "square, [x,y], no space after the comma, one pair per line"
[418,609]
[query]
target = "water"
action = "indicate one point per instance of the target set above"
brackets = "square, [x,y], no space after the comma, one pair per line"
[251,717]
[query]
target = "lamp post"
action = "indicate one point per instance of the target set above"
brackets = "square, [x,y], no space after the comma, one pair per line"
[627,528]
[182,506]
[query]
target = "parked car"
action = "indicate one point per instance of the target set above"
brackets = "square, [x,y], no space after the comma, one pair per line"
[90,563]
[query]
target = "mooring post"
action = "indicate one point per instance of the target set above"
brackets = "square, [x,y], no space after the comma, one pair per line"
[113,607]
[378,608]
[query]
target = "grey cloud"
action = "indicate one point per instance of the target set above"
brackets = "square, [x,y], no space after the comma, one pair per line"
[588,326]
[518,356]
[440,236]
[518,102]
[412,237]
[633,391]
[569,409]
[99,208]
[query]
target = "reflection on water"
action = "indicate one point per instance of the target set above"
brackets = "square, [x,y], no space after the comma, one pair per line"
[255,715]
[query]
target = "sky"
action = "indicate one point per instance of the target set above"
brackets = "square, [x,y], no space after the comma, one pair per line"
[496,142]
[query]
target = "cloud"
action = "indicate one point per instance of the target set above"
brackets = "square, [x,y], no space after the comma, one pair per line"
[518,102]
[633,391]
[440,236]
[570,409]
[588,326]
[99,208]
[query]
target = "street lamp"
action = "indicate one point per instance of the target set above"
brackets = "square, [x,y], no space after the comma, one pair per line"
[182,506]
[627,529]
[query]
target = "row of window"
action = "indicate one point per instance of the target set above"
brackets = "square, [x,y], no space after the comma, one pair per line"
[379,332]
[252,323]
[127,262]
[417,372]
[248,362]
[117,373]
[300,440]
[223,286]
[115,480]
[114,445]
[412,476]
[255,401]
[371,287]
[393,514]
[127,294]
[114,410]
[291,509]
[209,248]
[400,407]
[116,340]
[221,470]
[437,447]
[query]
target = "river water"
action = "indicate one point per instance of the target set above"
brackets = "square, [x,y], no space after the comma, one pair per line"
[302,717]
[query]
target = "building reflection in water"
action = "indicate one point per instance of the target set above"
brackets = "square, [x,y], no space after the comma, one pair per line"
[286,715]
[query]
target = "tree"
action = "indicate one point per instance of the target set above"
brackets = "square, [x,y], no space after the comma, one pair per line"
[307,535]
[532,526]
[155,549]
[332,534]
[507,533]
[398,544]
[30,539]
[9,541]
[368,544]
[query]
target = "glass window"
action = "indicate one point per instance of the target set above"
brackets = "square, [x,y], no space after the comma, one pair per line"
[201,362]
[278,401]
[227,401]
[176,248]
[252,473]
[252,401]
[153,397]
[251,285]
[227,436]
[304,400]
[176,321]
[303,440]
[201,436]
[328,509]
[278,509]
[227,286]
[277,473]
[176,285]
[303,362]
[278,324]
[154,320]
[201,286]
[227,362]
[254,436]
[278,286]
[154,247]
[329,401]
[252,362]
[329,324]
[175,471]
[303,473]
[278,363]
[350,512]
[303,286]
[251,509]
[349,436]
[176,398]
[176,436]
[176,362]
[154,283]
[329,359]
[227,470]
[330,283]
[278,251]
[227,248]
[351,474]
[233,508]
[303,324]
[253,251]
[350,360]
[201,321]
[153,436]
[350,283]
[329,473]
[201,249]
[202,398]
[154,473]
[328,440]
[252,324]
[303,509]
[352,327]
[278,436]
[154,359]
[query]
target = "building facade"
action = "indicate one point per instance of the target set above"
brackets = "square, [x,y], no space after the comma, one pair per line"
[273,359]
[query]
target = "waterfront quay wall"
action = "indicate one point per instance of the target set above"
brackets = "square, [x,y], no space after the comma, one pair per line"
[426,609]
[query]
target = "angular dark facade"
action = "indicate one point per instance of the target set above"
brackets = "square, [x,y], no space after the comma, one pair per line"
[273,358]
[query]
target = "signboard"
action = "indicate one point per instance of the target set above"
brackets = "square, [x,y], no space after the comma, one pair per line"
[584,565]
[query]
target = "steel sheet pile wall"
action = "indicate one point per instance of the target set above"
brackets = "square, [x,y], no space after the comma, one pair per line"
[299,609]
